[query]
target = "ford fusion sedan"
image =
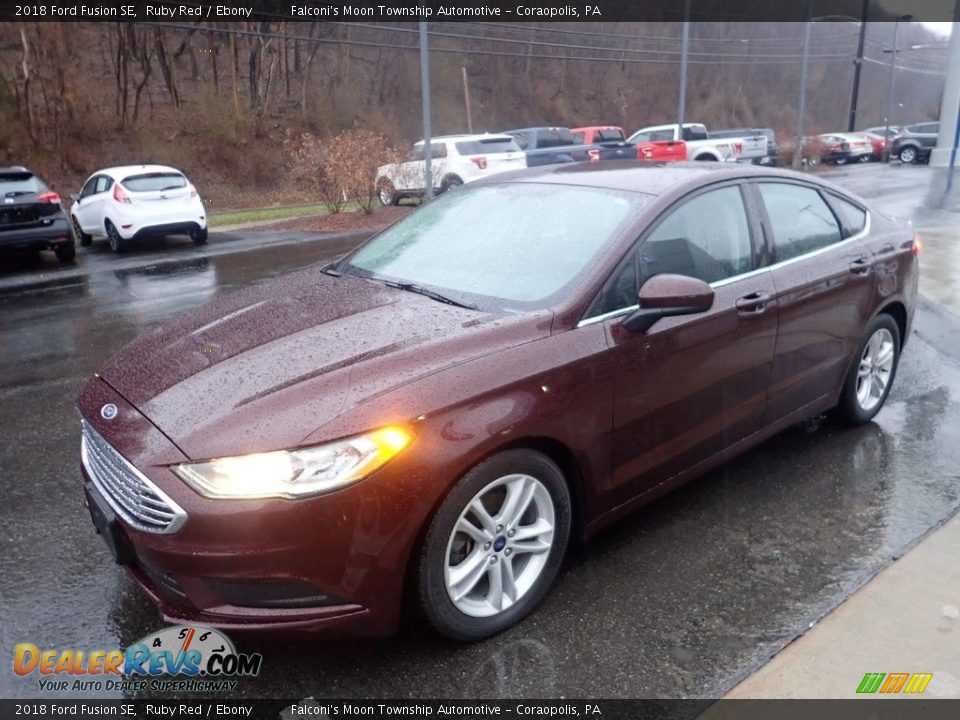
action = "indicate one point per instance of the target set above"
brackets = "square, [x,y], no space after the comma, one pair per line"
[441,412]
[125,204]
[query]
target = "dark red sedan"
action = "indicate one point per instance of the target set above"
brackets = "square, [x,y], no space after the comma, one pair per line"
[511,366]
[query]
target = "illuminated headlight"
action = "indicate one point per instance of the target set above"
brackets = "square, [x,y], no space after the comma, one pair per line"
[295,473]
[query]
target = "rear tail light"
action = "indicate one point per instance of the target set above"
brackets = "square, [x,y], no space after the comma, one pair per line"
[120,195]
[49,197]
[193,191]
[917,244]
[593,154]
[480,162]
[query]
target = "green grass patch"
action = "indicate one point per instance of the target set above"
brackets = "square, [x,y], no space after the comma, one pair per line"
[272,213]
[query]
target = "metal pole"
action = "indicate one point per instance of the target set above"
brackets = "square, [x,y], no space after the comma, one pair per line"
[681,102]
[953,153]
[893,75]
[425,93]
[857,66]
[466,99]
[798,147]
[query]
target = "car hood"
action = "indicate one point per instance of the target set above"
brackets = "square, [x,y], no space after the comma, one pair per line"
[265,367]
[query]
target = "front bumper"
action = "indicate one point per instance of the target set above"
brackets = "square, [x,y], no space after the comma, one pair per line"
[37,237]
[335,563]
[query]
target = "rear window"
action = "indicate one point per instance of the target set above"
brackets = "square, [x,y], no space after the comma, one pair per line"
[554,138]
[148,182]
[19,183]
[487,146]
[608,135]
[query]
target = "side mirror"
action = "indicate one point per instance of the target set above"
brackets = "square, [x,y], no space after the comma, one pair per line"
[75,197]
[666,296]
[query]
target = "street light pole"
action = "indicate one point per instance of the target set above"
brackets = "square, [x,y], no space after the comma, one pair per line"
[798,148]
[857,66]
[685,47]
[893,75]
[425,92]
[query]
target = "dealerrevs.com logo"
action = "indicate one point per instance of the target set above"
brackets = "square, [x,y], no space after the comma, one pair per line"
[201,658]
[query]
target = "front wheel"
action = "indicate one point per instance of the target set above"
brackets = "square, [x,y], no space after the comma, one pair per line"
[908,155]
[495,545]
[871,376]
[82,237]
[841,161]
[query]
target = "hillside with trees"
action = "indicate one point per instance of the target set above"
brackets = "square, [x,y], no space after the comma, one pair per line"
[227,102]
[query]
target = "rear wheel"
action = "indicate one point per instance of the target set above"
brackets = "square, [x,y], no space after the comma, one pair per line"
[113,235]
[450,182]
[199,236]
[65,253]
[871,376]
[495,545]
[82,237]
[841,160]
[908,154]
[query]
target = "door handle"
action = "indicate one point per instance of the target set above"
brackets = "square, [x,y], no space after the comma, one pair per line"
[860,266]
[752,304]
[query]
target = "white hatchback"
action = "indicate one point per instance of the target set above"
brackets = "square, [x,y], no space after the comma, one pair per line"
[135,201]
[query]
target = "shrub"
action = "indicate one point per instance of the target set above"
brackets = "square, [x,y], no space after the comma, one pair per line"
[342,167]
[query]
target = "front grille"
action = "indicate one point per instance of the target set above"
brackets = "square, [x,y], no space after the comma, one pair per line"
[132,496]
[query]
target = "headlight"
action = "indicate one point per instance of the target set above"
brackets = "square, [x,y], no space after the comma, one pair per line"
[295,473]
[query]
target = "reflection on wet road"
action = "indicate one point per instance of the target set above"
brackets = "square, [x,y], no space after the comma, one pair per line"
[680,599]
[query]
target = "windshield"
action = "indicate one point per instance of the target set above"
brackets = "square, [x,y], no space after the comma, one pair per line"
[509,247]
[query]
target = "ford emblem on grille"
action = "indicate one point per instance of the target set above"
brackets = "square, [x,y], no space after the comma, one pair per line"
[108,411]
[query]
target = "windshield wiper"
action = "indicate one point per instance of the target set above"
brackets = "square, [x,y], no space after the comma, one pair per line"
[426,292]
[331,269]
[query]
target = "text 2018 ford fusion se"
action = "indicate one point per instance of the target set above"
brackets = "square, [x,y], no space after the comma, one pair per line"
[511,366]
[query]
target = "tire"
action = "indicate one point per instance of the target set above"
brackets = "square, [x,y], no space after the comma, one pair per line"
[705,158]
[840,161]
[493,544]
[65,253]
[117,243]
[199,236]
[387,193]
[866,158]
[451,182]
[872,372]
[81,237]
[908,155]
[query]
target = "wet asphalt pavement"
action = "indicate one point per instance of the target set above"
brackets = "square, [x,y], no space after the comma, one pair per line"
[682,599]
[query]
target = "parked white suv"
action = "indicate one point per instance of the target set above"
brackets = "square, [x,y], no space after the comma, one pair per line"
[455,160]
[127,203]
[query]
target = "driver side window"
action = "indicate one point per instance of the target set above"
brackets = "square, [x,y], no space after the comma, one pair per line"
[707,237]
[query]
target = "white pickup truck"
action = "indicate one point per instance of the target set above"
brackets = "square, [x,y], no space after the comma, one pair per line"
[700,146]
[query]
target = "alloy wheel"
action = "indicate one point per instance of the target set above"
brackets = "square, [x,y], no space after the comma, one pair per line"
[876,367]
[499,546]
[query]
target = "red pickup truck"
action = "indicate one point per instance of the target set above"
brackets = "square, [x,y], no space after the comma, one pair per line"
[657,150]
